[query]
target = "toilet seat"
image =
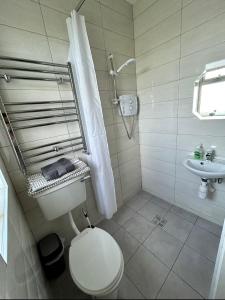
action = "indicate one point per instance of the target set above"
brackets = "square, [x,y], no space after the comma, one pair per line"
[96,262]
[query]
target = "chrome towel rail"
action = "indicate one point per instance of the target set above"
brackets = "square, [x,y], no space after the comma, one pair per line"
[41,117]
[9,77]
[53,156]
[52,144]
[14,113]
[38,102]
[39,110]
[34,70]
[43,124]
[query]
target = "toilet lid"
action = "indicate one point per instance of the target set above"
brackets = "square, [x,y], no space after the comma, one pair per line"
[95,260]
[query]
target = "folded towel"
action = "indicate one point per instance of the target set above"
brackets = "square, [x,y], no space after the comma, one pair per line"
[37,183]
[57,169]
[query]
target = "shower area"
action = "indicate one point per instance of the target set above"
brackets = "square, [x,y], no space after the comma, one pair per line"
[29,102]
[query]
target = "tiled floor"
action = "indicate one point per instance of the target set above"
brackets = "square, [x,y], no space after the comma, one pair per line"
[171,259]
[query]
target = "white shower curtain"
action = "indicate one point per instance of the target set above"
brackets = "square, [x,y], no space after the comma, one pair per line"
[92,117]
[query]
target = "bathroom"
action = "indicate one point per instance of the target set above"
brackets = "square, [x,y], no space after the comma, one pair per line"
[140,65]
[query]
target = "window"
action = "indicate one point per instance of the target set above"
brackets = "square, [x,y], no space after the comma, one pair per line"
[209,92]
[3,217]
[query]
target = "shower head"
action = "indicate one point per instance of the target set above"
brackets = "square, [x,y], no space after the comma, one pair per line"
[129,61]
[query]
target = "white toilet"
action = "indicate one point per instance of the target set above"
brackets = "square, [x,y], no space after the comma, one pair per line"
[95,259]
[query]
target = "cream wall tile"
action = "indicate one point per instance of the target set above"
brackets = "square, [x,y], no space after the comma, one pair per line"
[132,154]
[189,142]
[165,125]
[118,43]
[185,108]
[160,185]
[55,23]
[103,80]
[186,2]
[14,275]
[158,140]
[163,32]
[91,11]
[170,56]
[63,6]
[158,153]
[106,99]
[12,37]
[200,11]
[9,158]
[141,5]
[159,76]
[196,127]
[59,50]
[22,14]
[194,64]
[116,22]
[155,14]
[157,165]
[120,6]
[159,110]
[163,54]
[126,82]
[99,58]
[95,36]
[196,39]
[166,92]
[186,87]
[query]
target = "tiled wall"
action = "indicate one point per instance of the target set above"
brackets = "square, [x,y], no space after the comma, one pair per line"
[22,276]
[37,30]
[173,42]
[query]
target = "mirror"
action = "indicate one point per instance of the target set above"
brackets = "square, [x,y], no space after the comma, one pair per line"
[209,92]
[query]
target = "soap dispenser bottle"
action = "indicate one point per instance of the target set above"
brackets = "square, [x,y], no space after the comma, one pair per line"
[199,152]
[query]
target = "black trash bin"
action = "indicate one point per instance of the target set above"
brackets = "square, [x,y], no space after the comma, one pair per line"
[51,252]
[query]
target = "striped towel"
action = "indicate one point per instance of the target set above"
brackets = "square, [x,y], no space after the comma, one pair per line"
[37,183]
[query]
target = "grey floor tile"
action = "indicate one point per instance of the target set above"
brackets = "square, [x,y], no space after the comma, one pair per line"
[177,226]
[127,243]
[211,227]
[109,225]
[188,216]
[123,214]
[160,202]
[146,272]
[127,290]
[204,242]
[150,210]
[164,246]
[196,270]
[137,202]
[139,227]
[175,288]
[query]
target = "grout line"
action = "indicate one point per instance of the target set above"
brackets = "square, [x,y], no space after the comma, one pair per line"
[146,8]
[157,25]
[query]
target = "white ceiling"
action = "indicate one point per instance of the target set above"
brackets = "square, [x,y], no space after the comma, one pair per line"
[131,1]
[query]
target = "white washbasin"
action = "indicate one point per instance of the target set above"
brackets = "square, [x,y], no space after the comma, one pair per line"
[205,168]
